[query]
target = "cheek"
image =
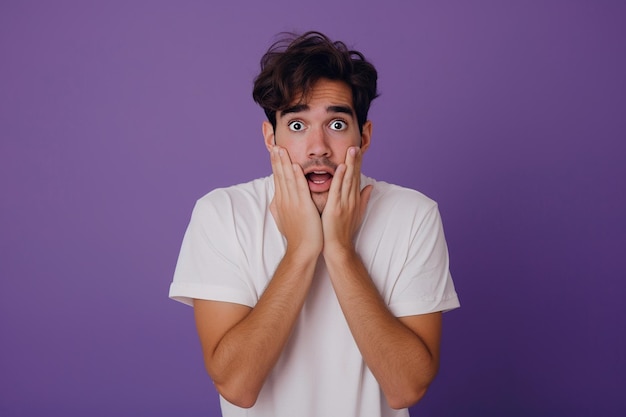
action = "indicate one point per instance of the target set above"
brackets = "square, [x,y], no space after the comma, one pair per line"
[350,138]
[284,140]
[340,144]
[296,150]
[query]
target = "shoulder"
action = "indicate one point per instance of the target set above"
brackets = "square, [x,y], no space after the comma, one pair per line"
[245,196]
[392,198]
[225,209]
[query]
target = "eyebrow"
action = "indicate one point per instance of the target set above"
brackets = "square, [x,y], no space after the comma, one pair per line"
[295,109]
[304,107]
[340,109]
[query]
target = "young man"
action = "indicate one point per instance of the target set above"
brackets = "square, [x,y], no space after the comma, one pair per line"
[317,291]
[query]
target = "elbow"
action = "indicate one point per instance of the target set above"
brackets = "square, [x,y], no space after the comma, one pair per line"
[241,396]
[406,398]
[410,392]
[235,388]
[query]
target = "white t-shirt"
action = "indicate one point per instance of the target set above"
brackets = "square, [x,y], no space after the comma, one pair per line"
[232,248]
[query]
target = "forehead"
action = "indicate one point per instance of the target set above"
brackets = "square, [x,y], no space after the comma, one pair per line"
[325,93]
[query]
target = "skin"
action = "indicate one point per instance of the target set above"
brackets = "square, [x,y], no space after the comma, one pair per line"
[318,217]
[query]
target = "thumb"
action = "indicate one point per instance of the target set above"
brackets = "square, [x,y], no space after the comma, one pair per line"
[365,198]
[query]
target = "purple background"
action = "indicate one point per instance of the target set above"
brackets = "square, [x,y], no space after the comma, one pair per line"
[116,116]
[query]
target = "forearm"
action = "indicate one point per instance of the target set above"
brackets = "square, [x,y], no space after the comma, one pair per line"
[399,359]
[246,354]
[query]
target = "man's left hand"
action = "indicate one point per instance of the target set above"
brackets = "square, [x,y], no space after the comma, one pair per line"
[346,204]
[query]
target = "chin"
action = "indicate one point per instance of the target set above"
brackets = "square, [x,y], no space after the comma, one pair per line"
[320,201]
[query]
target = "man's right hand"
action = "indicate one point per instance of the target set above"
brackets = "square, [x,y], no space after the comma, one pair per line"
[293,208]
[241,344]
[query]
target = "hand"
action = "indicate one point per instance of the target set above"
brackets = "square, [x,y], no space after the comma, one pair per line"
[346,204]
[293,209]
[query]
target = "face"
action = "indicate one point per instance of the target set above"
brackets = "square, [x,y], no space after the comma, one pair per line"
[317,134]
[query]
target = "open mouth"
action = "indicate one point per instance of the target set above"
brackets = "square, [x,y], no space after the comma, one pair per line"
[318,177]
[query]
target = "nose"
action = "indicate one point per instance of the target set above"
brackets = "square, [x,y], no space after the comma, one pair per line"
[317,144]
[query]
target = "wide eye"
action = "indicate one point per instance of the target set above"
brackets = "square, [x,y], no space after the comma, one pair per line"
[338,125]
[296,126]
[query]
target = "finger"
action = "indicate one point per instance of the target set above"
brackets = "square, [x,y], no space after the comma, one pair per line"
[277,169]
[334,194]
[275,166]
[358,159]
[350,187]
[292,177]
[288,179]
[300,179]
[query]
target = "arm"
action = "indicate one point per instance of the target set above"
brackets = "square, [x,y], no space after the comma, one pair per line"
[240,344]
[402,353]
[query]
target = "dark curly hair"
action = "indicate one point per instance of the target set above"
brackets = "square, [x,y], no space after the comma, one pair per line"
[292,65]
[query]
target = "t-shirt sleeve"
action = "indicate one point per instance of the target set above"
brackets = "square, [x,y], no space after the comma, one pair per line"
[425,284]
[207,266]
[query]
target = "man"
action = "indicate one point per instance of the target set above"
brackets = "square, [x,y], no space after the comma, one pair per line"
[316,291]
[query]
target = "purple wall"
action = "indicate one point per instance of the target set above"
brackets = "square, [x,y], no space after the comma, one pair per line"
[116,116]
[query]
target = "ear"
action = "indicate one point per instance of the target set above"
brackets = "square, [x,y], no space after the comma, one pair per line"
[268,134]
[366,136]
